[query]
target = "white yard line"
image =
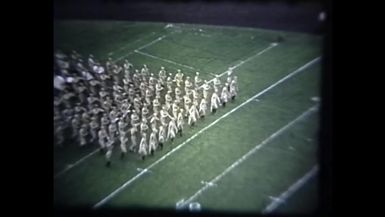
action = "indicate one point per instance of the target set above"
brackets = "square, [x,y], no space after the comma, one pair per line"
[244,61]
[75,164]
[119,189]
[293,188]
[153,42]
[144,46]
[165,60]
[248,154]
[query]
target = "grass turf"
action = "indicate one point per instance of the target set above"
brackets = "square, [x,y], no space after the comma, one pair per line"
[208,49]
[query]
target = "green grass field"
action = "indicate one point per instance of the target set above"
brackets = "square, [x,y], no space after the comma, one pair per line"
[267,102]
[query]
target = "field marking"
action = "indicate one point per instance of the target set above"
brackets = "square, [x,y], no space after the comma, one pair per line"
[248,154]
[165,60]
[292,189]
[151,43]
[243,62]
[144,46]
[75,164]
[119,189]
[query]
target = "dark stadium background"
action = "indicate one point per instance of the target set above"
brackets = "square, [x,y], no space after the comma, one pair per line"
[293,15]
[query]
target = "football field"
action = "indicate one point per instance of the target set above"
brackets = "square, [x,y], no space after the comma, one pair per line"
[257,154]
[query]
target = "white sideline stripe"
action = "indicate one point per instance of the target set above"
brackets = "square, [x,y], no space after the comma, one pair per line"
[116,191]
[245,156]
[153,42]
[144,46]
[243,62]
[293,188]
[76,163]
[165,60]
